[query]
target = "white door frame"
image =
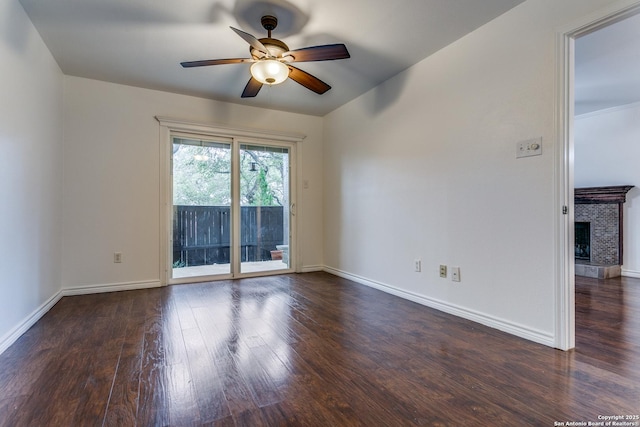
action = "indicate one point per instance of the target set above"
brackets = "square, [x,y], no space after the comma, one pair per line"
[565,267]
[169,126]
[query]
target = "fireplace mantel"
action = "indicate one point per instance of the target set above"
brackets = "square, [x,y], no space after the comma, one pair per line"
[612,194]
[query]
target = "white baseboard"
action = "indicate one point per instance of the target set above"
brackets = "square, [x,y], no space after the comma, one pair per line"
[29,321]
[111,287]
[491,321]
[311,268]
[13,335]
[631,273]
[465,313]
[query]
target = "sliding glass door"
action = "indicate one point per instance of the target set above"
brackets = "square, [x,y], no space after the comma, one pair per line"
[201,182]
[231,208]
[265,208]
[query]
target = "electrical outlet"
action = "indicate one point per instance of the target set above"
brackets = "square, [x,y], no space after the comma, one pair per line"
[418,266]
[455,274]
[117,257]
[443,270]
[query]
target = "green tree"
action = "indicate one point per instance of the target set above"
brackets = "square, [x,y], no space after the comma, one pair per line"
[202,175]
[265,194]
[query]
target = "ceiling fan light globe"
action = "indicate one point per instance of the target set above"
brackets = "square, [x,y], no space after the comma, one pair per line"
[269,71]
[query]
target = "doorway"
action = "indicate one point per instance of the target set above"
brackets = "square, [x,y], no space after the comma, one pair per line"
[229,204]
[565,298]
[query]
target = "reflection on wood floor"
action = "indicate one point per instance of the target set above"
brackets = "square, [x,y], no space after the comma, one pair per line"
[312,350]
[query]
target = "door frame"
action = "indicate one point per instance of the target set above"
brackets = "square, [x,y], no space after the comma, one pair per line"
[565,262]
[169,126]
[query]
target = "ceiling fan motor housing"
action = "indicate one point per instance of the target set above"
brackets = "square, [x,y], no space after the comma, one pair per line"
[275,47]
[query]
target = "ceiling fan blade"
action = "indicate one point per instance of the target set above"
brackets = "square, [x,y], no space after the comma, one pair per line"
[254,42]
[307,80]
[252,88]
[206,62]
[325,52]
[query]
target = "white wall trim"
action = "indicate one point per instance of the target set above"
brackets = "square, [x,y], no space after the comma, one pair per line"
[475,316]
[631,273]
[564,303]
[311,268]
[563,176]
[610,110]
[227,131]
[110,287]
[13,335]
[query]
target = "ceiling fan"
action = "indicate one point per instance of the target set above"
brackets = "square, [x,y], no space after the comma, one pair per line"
[271,60]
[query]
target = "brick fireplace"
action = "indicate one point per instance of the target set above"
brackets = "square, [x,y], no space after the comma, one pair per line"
[598,230]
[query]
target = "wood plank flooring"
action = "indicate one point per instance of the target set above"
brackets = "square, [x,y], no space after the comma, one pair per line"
[312,350]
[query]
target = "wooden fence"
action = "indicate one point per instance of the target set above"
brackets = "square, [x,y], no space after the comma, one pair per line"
[202,234]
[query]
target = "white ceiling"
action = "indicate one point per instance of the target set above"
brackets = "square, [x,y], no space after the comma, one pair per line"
[142,42]
[607,67]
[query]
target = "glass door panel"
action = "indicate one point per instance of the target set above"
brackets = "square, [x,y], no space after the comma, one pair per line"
[201,192]
[264,208]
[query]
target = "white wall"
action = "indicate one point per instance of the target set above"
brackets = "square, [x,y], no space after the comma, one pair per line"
[112,170]
[30,174]
[606,152]
[423,166]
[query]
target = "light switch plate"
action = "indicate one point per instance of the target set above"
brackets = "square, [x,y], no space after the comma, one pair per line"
[528,148]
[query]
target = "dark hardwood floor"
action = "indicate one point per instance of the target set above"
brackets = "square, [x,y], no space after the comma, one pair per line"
[313,350]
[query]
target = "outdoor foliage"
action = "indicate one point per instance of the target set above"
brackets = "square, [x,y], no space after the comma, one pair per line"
[202,176]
